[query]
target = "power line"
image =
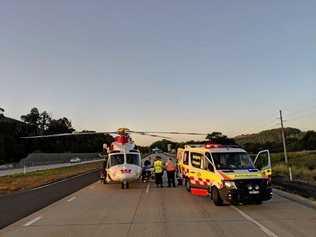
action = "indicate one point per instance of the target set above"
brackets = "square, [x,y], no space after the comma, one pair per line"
[304,115]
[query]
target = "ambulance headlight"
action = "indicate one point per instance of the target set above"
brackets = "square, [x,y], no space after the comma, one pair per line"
[230,184]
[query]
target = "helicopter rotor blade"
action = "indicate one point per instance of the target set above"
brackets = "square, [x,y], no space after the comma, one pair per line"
[171,133]
[145,133]
[151,135]
[67,134]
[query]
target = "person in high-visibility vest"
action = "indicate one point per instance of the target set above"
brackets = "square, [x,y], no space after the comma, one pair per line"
[171,171]
[158,169]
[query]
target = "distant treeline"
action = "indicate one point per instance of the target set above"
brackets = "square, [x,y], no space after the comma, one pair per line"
[269,139]
[305,142]
[13,148]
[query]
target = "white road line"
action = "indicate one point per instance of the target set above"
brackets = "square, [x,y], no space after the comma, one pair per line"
[262,227]
[32,221]
[147,188]
[71,199]
[60,181]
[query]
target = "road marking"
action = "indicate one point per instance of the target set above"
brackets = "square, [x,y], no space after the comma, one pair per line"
[262,227]
[71,199]
[147,188]
[32,221]
[61,181]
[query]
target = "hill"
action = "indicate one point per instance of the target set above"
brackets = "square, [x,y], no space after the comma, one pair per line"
[271,136]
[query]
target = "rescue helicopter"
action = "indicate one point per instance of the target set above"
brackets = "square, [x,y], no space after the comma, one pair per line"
[122,160]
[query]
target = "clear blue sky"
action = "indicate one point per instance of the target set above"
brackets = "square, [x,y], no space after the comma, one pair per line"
[161,65]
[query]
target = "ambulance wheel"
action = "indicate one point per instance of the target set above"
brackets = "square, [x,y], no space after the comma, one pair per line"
[216,197]
[187,185]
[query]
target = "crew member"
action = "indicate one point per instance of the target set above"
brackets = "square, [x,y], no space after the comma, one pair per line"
[171,170]
[146,173]
[158,169]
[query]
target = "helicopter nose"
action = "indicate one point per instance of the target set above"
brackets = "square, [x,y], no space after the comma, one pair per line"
[126,171]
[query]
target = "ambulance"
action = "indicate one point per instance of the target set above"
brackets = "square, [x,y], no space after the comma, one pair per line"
[226,173]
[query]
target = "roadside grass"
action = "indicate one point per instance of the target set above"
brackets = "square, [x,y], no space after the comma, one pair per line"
[18,182]
[303,165]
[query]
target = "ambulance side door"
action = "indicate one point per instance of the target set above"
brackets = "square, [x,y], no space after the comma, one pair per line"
[263,163]
[208,169]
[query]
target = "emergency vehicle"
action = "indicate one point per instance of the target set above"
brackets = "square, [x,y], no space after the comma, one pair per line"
[226,173]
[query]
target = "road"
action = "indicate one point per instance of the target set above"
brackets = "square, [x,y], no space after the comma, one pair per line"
[144,210]
[42,167]
[13,206]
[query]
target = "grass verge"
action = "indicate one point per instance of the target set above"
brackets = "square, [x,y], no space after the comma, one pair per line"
[303,165]
[18,182]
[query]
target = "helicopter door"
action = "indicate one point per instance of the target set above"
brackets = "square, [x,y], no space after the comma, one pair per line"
[263,163]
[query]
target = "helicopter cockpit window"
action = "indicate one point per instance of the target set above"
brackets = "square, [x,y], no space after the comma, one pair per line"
[132,159]
[117,159]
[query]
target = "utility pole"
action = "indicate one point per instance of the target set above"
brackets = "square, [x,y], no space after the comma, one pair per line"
[284,147]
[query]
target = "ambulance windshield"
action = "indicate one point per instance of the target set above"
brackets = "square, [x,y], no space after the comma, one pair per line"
[232,161]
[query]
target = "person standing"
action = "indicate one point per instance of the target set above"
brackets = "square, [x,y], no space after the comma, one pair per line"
[158,169]
[171,170]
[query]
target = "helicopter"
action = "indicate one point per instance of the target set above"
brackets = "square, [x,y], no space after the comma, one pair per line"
[122,162]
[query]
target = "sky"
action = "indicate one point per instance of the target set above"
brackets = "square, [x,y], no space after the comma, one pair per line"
[181,65]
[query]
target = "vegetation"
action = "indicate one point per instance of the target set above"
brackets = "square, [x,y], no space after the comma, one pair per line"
[303,165]
[271,139]
[12,148]
[12,183]
[44,124]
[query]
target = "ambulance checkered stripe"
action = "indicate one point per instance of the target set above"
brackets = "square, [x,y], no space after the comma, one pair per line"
[200,181]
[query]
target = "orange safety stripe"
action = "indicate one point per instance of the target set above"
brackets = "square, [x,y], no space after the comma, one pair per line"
[225,177]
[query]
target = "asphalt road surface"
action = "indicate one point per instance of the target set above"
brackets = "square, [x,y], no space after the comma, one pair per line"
[144,210]
[43,167]
[15,206]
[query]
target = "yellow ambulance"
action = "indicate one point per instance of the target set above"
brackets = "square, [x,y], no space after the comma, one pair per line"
[226,173]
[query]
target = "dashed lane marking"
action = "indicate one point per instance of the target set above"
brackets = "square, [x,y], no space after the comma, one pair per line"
[36,219]
[71,199]
[147,188]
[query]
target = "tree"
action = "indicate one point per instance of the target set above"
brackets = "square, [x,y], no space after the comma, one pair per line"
[218,137]
[214,135]
[57,126]
[32,118]
[309,140]
[44,121]
[1,112]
